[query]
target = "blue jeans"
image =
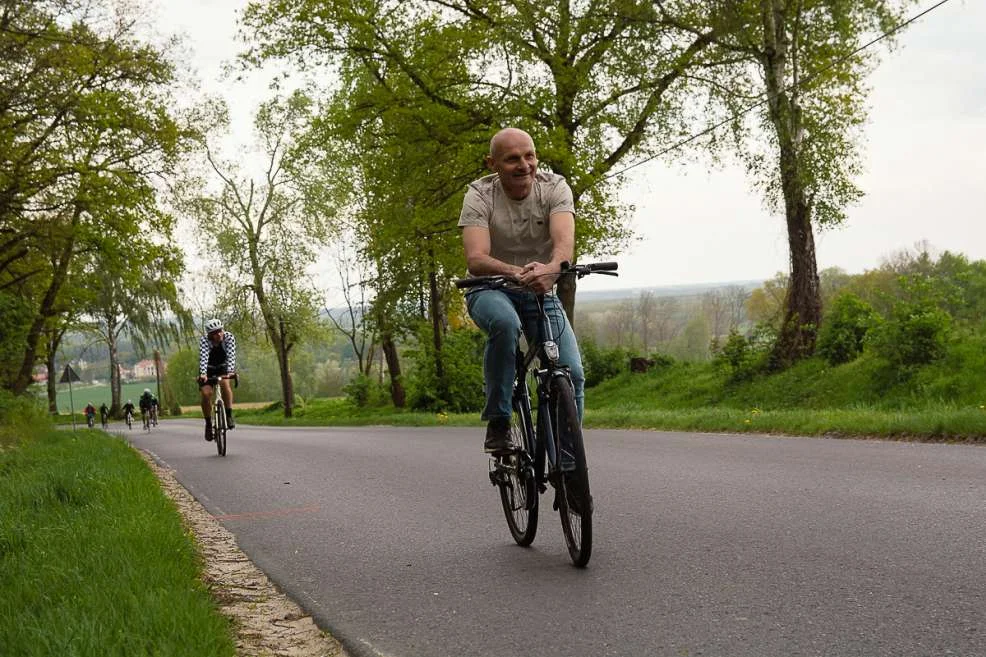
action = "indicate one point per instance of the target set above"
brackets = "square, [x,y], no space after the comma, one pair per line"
[502,315]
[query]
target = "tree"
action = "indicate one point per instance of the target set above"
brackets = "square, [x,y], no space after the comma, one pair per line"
[140,302]
[801,56]
[85,128]
[594,83]
[263,242]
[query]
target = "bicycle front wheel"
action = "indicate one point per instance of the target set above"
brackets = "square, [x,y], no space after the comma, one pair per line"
[573,497]
[514,476]
[219,430]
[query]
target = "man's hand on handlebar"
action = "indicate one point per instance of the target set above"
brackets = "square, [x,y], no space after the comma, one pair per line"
[538,277]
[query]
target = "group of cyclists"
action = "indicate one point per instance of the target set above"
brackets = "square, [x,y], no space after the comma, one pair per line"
[149,411]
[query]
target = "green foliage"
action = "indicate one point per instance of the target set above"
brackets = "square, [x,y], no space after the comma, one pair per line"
[743,357]
[86,132]
[917,331]
[363,391]
[602,363]
[842,335]
[462,359]
[182,370]
[22,417]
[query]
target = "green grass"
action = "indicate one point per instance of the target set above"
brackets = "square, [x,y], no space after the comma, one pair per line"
[94,557]
[337,411]
[811,398]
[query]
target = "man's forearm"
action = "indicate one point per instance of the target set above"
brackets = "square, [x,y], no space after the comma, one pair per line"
[487,265]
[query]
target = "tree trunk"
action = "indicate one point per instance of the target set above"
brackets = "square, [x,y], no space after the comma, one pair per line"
[803,307]
[566,295]
[397,394]
[115,384]
[45,310]
[287,385]
[436,327]
[52,375]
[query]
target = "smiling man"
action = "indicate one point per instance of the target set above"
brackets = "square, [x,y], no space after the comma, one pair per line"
[519,222]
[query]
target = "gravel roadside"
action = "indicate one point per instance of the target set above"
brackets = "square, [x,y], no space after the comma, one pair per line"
[266,622]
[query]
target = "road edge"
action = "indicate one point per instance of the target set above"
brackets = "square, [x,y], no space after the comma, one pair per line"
[265,621]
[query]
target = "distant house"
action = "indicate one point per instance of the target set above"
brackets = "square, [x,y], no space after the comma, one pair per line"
[144,369]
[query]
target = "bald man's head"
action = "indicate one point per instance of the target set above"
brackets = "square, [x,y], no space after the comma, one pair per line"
[513,158]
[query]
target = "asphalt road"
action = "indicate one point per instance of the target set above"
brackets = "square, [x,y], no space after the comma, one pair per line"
[710,545]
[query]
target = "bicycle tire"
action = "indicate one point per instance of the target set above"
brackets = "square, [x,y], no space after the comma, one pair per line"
[572,493]
[219,432]
[516,481]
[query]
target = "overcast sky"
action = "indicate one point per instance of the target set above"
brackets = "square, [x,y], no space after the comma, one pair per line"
[924,155]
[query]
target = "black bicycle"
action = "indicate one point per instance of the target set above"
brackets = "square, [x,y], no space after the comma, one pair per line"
[550,450]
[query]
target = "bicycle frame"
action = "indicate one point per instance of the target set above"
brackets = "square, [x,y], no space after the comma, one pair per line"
[545,351]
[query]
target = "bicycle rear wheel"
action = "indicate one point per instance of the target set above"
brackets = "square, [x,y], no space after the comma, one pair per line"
[573,497]
[513,475]
[219,430]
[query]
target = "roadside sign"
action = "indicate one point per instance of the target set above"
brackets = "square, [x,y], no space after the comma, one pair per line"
[69,375]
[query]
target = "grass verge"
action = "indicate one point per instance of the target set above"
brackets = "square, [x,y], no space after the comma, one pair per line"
[94,557]
[928,423]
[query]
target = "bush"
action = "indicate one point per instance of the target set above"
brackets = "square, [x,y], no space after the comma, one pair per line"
[601,364]
[842,335]
[744,357]
[461,390]
[915,334]
[21,418]
[363,391]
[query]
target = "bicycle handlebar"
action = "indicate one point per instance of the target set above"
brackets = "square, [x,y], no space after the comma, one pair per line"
[579,271]
[235,376]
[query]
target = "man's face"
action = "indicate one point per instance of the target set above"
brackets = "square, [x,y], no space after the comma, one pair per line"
[515,161]
[216,336]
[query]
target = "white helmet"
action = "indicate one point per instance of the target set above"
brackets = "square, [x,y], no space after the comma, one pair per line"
[147,391]
[213,325]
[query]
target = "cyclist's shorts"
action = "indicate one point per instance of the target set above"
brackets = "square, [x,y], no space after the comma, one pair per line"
[212,371]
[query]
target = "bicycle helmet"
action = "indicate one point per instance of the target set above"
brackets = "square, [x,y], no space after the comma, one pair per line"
[147,391]
[213,325]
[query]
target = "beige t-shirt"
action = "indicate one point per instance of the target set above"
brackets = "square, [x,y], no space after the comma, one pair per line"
[519,232]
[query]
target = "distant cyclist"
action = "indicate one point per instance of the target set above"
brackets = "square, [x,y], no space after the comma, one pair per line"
[90,414]
[217,357]
[104,415]
[146,402]
[128,412]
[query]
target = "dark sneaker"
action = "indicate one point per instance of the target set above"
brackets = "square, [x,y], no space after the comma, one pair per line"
[497,436]
[208,432]
[229,419]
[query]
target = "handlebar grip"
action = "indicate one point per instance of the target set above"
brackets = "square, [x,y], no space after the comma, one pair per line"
[603,266]
[472,282]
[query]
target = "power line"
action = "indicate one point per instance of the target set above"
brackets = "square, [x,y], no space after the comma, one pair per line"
[749,109]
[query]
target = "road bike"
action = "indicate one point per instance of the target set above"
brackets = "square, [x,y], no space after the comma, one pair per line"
[105,422]
[130,420]
[550,450]
[90,420]
[145,418]
[219,425]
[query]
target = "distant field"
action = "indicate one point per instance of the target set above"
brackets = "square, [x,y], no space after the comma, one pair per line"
[98,394]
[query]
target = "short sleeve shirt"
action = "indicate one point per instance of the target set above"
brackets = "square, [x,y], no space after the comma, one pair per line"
[519,230]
